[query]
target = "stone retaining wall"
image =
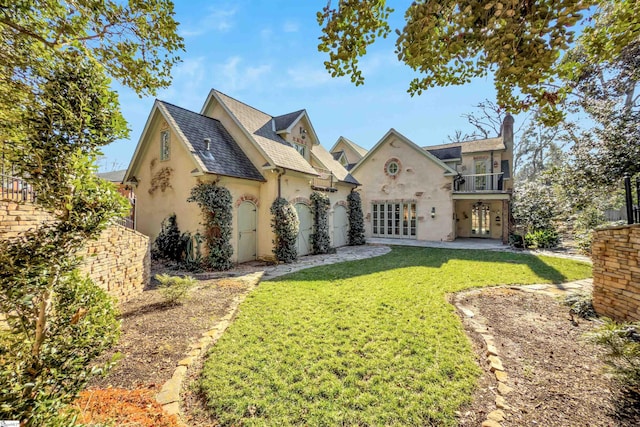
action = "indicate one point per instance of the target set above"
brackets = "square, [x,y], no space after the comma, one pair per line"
[616,272]
[119,261]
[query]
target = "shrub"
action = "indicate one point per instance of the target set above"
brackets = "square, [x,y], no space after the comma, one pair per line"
[215,203]
[320,240]
[541,239]
[174,289]
[516,241]
[285,226]
[356,219]
[621,343]
[581,304]
[170,244]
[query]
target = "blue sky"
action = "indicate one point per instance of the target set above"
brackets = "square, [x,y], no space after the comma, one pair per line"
[264,53]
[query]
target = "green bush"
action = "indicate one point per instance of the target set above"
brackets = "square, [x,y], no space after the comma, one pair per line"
[356,219]
[516,241]
[320,240]
[170,243]
[621,343]
[175,290]
[285,225]
[581,304]
[541,239]
[215,203]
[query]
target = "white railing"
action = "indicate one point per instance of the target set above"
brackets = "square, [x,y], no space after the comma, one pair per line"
[482,182]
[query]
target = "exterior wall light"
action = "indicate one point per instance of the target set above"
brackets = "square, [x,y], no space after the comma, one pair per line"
[433,212]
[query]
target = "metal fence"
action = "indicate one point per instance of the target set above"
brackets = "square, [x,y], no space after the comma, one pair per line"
[633,211]
[13,188]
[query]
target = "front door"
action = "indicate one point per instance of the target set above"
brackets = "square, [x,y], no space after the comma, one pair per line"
[303,242]
[246,232]
[480,220]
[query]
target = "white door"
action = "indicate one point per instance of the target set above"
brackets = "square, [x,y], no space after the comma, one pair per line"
[246,232]
[303,242]
[340,227]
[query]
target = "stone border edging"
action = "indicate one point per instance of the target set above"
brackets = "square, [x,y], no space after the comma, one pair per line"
[492,356]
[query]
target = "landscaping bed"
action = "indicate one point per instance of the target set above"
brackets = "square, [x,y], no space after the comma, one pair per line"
[558,378]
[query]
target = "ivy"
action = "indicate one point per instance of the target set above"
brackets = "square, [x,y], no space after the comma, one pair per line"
[320,240]
[285,226]
[356,219]
[215,202]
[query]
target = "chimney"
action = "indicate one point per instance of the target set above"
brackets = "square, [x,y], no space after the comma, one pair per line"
[207,144]
[507,131]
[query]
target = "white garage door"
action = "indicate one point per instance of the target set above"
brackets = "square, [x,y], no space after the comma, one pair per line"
[340,227]
[303,242]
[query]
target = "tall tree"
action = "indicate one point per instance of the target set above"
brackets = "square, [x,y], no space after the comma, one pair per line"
[451,42]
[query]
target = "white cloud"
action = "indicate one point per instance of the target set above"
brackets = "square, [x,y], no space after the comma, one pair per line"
[189,86]
[220,20]
[291,27]
[234,76]
[307,76]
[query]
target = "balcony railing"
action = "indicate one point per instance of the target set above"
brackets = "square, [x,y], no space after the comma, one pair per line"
[479,183]
[324,180]
[12,188]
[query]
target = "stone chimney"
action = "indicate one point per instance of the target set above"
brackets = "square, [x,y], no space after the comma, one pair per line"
[507,132]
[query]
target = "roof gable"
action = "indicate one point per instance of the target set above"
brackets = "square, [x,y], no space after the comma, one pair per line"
[260,130]
[355,147]
[224,156]
[392,132]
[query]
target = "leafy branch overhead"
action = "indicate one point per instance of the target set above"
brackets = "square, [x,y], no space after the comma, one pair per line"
[451,42]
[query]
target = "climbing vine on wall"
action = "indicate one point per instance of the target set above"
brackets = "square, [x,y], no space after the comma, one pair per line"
[216,205]
[356,219]
[285,226]
[320,240]
[161,180]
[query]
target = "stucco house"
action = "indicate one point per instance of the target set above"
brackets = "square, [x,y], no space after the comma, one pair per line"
[438,193]
[255,155]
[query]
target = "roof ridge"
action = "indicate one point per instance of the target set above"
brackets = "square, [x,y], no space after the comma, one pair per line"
[243,103]
[293,112]
[186,109]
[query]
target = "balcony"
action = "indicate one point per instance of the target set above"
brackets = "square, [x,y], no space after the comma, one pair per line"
[13,188]
[479,183]
[325,181]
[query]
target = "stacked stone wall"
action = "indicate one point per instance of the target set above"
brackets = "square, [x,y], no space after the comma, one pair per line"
[118,261]
[616,272]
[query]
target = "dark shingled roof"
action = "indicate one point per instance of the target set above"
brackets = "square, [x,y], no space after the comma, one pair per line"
[113,176]
[225,156]
[448,153]
[284,121]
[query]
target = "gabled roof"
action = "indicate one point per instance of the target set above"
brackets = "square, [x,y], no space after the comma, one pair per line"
[474,146]
[446,153]
[447,169]
[327,160]
[224,157]
[113,176]
[355,147]
[285,121]
[260,129]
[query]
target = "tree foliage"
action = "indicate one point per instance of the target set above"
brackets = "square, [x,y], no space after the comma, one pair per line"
[58,320]
[451,42]
[170,244]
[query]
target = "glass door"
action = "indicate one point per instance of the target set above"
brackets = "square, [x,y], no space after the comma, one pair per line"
[480,220]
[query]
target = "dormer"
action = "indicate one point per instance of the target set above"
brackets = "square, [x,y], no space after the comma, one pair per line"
[296,129]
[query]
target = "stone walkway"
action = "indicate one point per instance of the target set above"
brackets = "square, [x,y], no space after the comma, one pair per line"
[254,272]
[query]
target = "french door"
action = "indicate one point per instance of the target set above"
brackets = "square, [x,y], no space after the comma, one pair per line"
[480,220]
[394,219]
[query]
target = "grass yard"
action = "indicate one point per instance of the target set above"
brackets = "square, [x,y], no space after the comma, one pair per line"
[370,342]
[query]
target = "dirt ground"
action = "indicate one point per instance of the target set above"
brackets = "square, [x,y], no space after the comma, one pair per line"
[156,335]
[557,378]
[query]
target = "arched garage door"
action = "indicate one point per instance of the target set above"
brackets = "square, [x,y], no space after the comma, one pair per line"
[246,231]
[303,242]
[340,226]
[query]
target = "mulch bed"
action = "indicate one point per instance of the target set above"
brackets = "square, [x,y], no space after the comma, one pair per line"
[557,377]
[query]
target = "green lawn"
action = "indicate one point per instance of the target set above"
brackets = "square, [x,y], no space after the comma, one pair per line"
[370,342]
